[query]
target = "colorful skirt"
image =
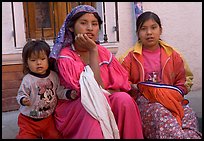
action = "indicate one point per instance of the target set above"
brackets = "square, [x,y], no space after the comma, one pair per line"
[159,122]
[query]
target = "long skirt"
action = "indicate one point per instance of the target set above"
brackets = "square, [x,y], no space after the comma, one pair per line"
[74,122]
[159,123]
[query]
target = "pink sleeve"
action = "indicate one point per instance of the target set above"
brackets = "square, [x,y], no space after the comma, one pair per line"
[69,72]
[114,76]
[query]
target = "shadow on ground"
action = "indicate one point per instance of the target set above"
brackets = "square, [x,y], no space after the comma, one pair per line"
[200,124]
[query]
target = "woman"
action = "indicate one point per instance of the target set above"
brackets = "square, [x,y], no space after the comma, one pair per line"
[159,78]
[76,48]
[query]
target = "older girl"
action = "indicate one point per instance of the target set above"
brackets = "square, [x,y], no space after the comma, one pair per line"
[160,78]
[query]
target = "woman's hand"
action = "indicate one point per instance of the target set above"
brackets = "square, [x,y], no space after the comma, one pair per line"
[83,41]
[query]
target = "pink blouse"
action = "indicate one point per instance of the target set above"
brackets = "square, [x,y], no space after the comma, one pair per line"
[113,75]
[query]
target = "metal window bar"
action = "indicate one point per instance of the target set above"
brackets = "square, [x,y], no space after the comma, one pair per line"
[28,22]
[116,19]
[13,19]
[105,38]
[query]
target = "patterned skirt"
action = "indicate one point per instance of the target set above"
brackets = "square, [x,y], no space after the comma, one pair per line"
[159,123]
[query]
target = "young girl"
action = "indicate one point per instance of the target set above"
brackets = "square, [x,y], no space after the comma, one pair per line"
[38,92]
[163,78]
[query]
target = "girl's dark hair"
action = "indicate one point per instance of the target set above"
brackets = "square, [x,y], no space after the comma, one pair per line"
[33,47]
[77,16]
[146,16]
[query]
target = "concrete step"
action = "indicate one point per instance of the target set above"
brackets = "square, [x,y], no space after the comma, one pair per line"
[10,128]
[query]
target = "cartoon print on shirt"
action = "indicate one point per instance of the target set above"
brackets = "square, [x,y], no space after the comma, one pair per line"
[46,96]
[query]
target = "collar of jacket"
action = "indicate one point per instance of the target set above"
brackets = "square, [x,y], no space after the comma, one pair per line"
[137,48]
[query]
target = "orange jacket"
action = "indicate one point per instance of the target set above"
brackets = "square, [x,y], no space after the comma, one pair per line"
[169,96]
[175,70]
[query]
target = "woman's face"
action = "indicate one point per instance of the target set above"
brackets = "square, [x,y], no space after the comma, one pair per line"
[87,24]
[149,34]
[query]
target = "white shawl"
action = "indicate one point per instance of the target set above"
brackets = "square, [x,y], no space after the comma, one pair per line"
[96,104]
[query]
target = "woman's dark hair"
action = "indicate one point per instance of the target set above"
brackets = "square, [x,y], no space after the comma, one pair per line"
[33,47]
[77,16]
[146,16]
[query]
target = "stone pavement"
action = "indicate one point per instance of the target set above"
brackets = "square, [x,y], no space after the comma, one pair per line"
[9,124]
[10,128]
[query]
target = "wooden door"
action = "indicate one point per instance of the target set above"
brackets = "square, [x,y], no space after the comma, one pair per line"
[44,19]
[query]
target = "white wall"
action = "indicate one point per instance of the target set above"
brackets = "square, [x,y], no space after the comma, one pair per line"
[127,34]
[181,21]
[182,28]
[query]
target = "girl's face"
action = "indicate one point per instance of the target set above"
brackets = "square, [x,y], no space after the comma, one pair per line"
[87,24]
[38,63]
[149,34]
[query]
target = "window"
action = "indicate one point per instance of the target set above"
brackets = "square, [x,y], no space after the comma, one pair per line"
[109,14]
[48,17]
[44,19]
